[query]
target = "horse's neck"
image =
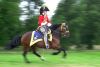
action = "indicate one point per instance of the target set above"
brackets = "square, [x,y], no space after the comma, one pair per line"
[57,33]
[56,30]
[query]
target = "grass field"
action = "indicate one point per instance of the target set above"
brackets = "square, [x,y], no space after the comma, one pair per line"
[74,59]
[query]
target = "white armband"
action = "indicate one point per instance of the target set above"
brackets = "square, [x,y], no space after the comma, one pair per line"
[43,23]
[49,24]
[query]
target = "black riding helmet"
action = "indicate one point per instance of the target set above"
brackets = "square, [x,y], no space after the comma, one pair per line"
[43,8]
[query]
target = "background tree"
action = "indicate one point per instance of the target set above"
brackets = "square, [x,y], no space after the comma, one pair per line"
[31,23]
[9,20]
[83,19]
[90,30]
[69,10]
[10,24]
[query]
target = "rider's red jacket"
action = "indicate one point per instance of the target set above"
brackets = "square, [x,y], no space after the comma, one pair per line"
[41,19]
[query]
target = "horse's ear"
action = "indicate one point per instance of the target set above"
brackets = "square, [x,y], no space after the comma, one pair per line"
[64,22]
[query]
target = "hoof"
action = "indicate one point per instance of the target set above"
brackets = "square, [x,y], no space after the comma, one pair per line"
[42,58]
[27,61]
[54,53]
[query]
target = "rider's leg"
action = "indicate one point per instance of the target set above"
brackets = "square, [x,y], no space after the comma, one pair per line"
[46,40]
[43,29]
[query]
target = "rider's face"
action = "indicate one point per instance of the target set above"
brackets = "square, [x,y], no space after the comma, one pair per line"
[44,12]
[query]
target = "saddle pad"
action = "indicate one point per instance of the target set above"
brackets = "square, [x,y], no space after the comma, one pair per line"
[38,36]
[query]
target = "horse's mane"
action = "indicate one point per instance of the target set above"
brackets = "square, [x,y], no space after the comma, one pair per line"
[55,26]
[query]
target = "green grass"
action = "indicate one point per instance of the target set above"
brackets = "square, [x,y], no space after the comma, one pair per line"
[74,59]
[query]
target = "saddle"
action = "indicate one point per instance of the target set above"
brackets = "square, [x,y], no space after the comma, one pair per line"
[38,36]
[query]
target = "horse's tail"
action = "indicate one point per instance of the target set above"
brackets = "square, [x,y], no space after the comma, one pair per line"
[16,41]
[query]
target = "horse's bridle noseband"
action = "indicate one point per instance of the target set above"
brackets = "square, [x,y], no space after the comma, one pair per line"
[64,24]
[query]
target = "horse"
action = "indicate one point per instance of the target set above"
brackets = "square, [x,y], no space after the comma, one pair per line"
[57,30]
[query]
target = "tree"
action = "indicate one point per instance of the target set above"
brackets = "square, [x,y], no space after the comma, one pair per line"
[91,28]
[9,20]
[65,11]
[10,24]
[83,17]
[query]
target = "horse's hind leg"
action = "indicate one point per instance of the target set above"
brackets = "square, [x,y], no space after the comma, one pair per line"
[25,49]
[59,51]
[35,53]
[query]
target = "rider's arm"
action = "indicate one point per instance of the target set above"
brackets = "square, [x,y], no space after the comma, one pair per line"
[38,28]
[48,20]
[40,20]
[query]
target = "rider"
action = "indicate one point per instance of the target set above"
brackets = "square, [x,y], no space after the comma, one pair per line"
[44,22]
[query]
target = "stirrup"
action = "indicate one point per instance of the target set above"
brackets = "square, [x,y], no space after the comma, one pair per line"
[47,46]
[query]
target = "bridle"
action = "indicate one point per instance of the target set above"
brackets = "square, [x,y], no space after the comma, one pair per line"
[64,28]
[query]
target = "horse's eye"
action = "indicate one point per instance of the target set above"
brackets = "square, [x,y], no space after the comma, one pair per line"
[66,26]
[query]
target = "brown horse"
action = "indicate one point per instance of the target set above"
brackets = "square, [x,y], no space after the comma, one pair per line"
[57,31]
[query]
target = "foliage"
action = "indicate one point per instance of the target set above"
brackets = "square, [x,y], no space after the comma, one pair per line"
[31,24]
[9,20]
[91,28]
[83,19]
[38,2]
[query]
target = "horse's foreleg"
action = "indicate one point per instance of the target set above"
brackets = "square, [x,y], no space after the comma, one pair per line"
[25,54]
[35,53]
[56,53]
[59,51]
[64,51]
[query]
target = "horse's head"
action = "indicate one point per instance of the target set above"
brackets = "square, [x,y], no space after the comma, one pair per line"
[64,29]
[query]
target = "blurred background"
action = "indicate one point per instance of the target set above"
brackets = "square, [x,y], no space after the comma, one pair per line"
[83,44]
[82,16]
